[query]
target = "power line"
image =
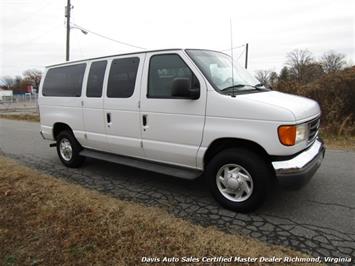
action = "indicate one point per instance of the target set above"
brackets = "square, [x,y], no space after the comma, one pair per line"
[240,54]
[233,48]
[108,38]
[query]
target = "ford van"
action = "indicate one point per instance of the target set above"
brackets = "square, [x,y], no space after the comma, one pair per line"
[185,113]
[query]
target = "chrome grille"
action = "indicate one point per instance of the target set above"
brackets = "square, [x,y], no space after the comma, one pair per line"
[313,126]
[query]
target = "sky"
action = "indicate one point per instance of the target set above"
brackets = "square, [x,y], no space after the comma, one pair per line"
[32,32]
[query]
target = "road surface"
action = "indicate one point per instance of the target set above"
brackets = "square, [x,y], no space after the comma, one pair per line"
[318,219]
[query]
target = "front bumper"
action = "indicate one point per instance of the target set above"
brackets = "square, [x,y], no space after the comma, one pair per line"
[296,172]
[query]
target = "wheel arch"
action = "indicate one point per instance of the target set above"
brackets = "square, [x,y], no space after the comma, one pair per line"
[221,144]
[59,127]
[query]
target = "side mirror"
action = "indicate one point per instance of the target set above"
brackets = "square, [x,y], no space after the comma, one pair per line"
[182,88]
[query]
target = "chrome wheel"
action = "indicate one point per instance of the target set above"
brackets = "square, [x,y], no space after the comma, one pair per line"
[234,182]
[65,149]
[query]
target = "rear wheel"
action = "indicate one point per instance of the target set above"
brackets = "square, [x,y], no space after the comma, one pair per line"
[68,149]
[238,179]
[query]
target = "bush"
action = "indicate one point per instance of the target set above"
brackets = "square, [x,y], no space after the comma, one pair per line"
[335,93]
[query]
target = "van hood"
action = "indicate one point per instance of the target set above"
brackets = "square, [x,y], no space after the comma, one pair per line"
[301,107]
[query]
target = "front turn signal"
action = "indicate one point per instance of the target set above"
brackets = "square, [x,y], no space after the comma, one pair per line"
[287,135]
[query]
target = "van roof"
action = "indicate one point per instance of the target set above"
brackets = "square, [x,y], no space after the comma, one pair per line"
[107,56]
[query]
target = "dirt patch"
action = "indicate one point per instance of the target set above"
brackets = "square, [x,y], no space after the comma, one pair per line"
[44,220]
[24,117]
[339,142]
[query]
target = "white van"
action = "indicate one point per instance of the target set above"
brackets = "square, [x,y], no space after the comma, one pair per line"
[182,113]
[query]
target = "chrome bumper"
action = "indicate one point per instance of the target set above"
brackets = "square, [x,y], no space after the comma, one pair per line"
[297,171]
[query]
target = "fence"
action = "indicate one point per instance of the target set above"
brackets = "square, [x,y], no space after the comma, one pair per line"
[25,103]
[20,98]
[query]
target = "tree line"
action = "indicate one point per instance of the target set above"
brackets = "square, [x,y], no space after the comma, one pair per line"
[18,83]
[302,67]
[329,80]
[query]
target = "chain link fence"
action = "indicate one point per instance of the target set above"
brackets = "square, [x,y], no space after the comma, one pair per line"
[20,103]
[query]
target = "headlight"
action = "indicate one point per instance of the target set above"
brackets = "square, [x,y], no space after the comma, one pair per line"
[301,132]
[291,135]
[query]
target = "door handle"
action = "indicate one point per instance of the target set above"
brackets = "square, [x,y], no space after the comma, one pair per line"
[108,119]
[145,122]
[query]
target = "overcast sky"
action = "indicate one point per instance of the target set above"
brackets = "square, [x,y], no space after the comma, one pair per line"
[32,32]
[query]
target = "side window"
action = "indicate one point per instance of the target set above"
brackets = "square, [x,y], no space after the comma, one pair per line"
[64,81]
[163,70]
[96,79]
[122,78]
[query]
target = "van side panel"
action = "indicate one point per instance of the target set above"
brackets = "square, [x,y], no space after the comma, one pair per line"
[123,131]
[174,127]
[65,110]
[93,115]
[54,109]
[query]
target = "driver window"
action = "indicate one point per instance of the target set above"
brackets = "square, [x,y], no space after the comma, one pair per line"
[163,69]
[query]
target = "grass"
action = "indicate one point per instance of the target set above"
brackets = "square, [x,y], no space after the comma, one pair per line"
[23,117]
[339,142]
[44,220]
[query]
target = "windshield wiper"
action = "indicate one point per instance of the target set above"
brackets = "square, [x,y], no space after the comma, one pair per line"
[260,86]
[234,86]
[231,89]
[256,86]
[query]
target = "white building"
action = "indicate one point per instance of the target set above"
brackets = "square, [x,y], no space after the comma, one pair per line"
[5,95]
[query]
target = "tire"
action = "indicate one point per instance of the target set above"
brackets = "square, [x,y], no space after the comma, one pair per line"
[244,182]
[68,149]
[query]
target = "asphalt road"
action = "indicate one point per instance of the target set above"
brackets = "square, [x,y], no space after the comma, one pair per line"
[318,219]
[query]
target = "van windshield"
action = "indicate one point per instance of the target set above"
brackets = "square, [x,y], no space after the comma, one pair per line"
[217,68]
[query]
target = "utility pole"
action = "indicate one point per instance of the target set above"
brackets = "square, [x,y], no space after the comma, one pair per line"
[67,15]
[246,55]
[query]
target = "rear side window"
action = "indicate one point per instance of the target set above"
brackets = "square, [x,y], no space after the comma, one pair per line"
[64,81]
[122,78]
[96,79]
[163,69]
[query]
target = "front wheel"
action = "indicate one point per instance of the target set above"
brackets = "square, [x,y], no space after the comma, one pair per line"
[68,149]
[238,179]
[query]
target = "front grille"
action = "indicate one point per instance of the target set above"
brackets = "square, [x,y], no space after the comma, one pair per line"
[313,126]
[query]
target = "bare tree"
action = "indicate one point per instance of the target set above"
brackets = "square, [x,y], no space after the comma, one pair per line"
[8,81]
[297,61]
[313,72]
[332,61]
[263,76]
[33,76]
